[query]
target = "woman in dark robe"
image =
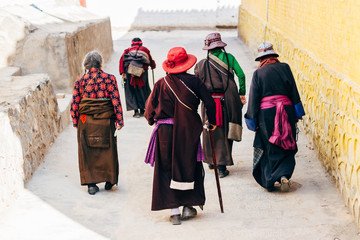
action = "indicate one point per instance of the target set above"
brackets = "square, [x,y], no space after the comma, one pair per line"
[96,111]
[133,67]
[175,147]
[274,108]
[217,71]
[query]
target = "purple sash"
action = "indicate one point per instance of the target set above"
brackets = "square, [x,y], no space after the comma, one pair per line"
[150,154]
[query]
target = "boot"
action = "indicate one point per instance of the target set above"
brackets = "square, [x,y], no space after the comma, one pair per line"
[175,219]
[223,172]
[188,212]
[92,189]
[136,114]
[285,184]
[142,111]
[108,185]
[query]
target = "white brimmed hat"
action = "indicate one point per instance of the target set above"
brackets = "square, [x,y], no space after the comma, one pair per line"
[264,49]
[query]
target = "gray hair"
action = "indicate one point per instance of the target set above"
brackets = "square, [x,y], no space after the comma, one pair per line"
[92,59]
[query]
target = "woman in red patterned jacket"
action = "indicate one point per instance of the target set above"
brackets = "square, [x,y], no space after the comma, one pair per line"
[96,111]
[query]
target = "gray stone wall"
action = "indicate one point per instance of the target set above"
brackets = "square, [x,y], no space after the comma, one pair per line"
[92,36]
[60,53]
[45,50]
[31,121]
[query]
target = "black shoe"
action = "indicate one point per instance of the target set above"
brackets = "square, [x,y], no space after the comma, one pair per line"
[108,186]
[136,115]
[92,189]
[223,173]
[175,219]
[188,212]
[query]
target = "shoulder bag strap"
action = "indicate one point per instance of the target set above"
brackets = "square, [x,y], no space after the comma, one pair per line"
[176,95]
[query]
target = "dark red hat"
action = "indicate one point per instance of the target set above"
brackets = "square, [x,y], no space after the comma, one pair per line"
[178,61]
[213,40]
[136,41]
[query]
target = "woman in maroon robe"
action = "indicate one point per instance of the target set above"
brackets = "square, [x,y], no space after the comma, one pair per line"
[175,144]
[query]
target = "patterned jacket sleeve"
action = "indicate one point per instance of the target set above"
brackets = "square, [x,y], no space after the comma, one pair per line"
[115,99]
[74,107]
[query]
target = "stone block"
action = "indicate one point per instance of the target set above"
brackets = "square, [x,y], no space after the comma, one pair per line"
[49,42]
[40,43]
[30,122]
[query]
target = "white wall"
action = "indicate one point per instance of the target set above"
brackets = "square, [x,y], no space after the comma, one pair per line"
[123,13]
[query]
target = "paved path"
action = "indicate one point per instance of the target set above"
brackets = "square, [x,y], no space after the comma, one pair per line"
[55,206]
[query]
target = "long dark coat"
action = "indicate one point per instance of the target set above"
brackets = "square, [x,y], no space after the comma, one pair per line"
[221,81]
[135,96]
[274,162]
[176,145]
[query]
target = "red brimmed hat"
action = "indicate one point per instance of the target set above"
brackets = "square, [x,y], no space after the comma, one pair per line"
[178,61]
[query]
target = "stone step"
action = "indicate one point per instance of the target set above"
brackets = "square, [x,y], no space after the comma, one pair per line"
[9,71]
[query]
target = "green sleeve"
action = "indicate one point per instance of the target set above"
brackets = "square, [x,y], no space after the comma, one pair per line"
[241,76]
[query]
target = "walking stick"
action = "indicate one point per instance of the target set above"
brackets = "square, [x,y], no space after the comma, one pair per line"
[153,77]
[216,171]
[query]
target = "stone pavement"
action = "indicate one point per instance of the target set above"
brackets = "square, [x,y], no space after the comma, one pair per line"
[54,205]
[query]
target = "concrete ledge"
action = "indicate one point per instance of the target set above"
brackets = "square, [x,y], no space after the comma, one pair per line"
[10,71]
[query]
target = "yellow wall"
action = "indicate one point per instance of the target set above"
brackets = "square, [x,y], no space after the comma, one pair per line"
[321,42]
